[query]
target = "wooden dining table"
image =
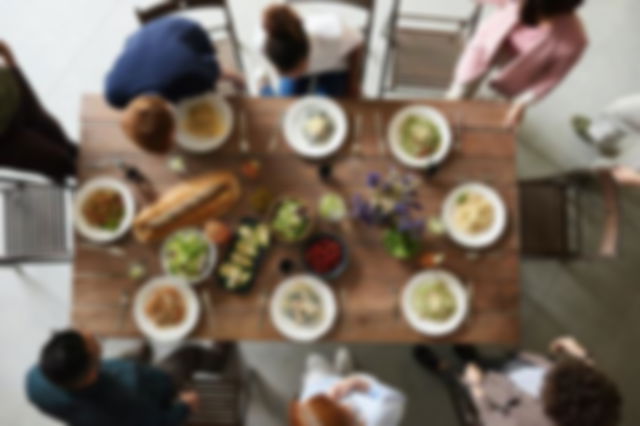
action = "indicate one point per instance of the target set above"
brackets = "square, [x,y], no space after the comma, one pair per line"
[368,293]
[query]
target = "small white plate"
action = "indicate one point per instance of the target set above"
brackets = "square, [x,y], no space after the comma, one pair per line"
[193,144]
[212,258]
[100,235]
[484,239]
[429,327]
[293,331]
[166,334]
[393,134]
[294,127]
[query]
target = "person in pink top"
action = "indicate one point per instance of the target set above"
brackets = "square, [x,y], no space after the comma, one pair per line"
[525,50]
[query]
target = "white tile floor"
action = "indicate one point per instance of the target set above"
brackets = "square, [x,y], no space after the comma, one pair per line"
[65,47]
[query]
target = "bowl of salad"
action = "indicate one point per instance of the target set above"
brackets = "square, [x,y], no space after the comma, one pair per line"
[188,254]
[291,220]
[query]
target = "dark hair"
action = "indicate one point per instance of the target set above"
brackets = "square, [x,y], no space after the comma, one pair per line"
[576,394]
[287,42]
[65,358]
[533,11]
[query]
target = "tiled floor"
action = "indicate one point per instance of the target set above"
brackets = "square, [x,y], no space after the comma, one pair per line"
[66,47]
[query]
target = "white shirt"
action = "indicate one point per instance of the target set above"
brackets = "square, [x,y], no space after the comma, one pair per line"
[380,405]
[331,41]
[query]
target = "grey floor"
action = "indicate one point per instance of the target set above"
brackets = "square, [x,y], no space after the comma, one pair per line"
[65,48]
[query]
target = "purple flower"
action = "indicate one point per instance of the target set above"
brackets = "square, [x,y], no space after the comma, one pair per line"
[374,179]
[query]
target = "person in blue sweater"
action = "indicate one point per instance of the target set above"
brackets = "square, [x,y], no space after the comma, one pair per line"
[73,385]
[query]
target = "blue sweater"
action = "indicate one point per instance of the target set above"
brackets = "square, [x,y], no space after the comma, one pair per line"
[172,57]
[125,394]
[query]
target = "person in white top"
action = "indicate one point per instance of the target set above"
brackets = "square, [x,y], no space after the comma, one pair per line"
[316,54]
[334,396]
[615,134]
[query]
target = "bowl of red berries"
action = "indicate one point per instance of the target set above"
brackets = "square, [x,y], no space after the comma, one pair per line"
[325,255]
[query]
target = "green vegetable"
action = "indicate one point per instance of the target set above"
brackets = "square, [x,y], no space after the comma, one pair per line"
[400,245]
[187,254]
[290,220]
[433,300]
[420,137]
[332,207]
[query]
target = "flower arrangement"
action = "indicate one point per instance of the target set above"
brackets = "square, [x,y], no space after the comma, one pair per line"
[392,204]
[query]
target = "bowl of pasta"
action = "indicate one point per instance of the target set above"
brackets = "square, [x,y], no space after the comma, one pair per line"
[474,215]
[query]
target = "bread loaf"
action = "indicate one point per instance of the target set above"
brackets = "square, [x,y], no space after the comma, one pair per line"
[189,203]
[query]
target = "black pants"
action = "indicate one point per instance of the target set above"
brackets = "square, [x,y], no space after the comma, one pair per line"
[34,141]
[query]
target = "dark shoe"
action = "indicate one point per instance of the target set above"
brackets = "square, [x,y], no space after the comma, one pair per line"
[428,359]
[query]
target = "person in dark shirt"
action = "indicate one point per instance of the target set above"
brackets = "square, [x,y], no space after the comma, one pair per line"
[72,384]
[172,57]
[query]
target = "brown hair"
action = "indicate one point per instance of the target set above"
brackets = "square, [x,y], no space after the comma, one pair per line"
[287,43]
[148,121]
[576,394]
[319,411]
[533,11]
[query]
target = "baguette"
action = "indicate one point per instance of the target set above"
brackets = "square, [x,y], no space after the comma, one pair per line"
[189,203]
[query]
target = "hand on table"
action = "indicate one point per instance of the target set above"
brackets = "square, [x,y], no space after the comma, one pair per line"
[236,79]
[191,399]
[626,175]
[515,115]
[473,376]
[568,345]
[348,385]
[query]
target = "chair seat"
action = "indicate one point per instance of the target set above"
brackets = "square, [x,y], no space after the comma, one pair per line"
[424,58]
[220,401]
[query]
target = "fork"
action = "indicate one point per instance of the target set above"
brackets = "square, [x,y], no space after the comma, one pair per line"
[356,148]
[381,142]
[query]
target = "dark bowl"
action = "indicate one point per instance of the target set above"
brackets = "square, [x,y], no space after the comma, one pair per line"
[339,268]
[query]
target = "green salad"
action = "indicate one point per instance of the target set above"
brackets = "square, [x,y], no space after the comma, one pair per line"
[291,220]
[434,301]
[186,254]
[419,136]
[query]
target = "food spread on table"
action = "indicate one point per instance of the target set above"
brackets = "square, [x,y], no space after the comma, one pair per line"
[189,203]
[203,120]
[302,304]
[104,209]
[242,262]
[433,300]
[291,221]
[332,207]
[420,136]
[166,306]
[324,254]
[318,127]
[187,254]
[473,213]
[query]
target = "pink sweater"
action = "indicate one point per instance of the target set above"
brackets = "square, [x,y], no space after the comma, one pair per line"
[535,67]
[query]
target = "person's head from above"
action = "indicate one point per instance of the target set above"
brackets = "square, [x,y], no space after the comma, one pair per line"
[577,394]
[71,359]
[321,411]
[535,11]
[149,122]
[287,44]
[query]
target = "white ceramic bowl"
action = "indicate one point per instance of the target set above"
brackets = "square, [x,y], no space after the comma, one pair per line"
[98,235]
[294,127]
[393,135]
[212,259]
[166,334]
[291,330]
[429,327]
[194,144]
[483,239]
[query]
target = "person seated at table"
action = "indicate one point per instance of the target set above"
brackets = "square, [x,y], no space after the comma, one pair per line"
[332,395]
[30,138]
[149,123]
[314,54]
[528,389]
[72,384]
[172,57]
[525,49]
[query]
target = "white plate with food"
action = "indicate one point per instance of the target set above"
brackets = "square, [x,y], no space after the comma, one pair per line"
[189,254]
[474,215]
[303,308]
[435,302]
[104,209]
[204,123]
[166,309]
[419,136]
[315,127]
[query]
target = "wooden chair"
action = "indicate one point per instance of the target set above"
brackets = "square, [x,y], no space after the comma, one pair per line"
[423,49]
[367,7]
[36,221]
[224,35]
[552,212]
